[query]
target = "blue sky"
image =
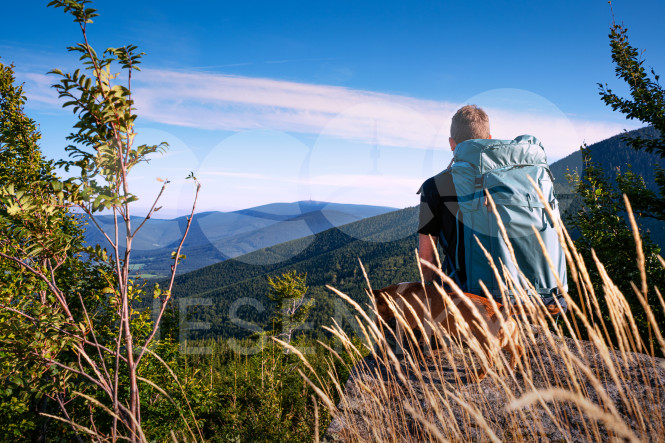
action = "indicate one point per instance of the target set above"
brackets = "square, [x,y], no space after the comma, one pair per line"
[334,100]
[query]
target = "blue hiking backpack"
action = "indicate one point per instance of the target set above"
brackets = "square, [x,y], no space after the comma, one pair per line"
[502,167]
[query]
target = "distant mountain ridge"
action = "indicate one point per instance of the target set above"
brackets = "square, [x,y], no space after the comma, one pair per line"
[610,154]
[217,236]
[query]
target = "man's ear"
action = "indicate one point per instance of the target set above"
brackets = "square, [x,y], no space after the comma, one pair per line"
[452,142]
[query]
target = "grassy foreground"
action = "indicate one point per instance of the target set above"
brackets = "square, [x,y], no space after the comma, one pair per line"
[584,377]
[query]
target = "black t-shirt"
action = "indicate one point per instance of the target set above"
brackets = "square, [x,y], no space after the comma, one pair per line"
[440,216]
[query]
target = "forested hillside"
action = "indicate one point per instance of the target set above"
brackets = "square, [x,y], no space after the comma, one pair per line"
[385,244]
[613,155]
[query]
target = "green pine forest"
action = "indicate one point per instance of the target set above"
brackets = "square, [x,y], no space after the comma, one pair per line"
[332,258]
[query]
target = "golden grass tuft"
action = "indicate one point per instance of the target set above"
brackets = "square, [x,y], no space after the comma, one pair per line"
[564,388]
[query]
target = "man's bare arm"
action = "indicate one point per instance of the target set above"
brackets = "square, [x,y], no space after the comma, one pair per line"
[426,244]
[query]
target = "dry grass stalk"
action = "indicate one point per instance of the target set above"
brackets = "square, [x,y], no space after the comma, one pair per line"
[413,388]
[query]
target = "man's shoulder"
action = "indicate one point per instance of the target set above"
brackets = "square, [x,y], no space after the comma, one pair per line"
[441,183]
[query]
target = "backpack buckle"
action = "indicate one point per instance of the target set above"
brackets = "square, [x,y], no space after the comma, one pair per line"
[477,193]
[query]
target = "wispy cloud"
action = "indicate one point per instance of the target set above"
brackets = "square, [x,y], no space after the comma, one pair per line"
[236,103]
[39,89]
[225,102]
[364,181]
[367,181]
[245,175]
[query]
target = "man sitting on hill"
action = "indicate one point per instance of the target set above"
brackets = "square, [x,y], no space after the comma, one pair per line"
[439,211]
[454,211]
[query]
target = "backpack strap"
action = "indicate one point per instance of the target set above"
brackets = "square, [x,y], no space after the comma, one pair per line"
[478,186]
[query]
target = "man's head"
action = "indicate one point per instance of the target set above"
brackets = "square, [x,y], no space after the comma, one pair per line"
[469,122]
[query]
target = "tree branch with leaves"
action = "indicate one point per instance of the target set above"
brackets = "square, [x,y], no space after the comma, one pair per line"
[646,104]
[103,149]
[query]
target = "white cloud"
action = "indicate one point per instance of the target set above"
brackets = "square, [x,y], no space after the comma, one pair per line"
[224,102]
[334,167]
[245,175]
[559,134]
[365,181]
[235,103]
[39,90]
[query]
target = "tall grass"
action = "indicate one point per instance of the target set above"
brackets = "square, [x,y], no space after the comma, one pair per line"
[606,386]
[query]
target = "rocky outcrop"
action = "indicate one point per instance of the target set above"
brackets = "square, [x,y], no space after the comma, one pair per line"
[641,383]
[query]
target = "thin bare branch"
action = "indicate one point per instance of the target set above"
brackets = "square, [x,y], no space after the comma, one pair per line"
[152,209]
[173,271]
